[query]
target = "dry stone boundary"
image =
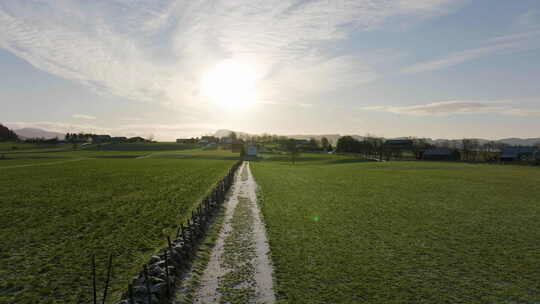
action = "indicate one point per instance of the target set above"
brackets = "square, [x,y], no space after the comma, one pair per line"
[155,284]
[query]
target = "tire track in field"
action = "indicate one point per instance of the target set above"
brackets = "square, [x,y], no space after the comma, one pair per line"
[239,269]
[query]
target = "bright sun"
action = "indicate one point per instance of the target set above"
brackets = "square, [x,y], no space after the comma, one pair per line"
[230,84]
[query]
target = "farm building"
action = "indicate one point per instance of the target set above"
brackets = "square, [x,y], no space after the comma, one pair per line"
[399,143]
[97,139]
[119,139]
[440,154]
[251,150]
[519,153]
[208,139]
[226,140]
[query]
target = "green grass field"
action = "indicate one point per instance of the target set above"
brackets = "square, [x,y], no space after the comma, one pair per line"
[155,146]
[59,208]
[345,231]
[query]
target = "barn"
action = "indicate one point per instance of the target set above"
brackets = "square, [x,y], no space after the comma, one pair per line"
[251,150]
[441,154]
[519,153]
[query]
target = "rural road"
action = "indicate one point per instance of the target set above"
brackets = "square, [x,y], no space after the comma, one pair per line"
[239,269]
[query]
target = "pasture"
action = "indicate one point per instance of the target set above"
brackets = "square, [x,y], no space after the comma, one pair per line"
[59,207]
[346,231]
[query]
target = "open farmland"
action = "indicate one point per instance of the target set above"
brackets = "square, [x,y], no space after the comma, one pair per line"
[59,208]
[342,231]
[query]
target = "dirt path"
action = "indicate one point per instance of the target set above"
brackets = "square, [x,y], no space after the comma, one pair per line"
[239,269]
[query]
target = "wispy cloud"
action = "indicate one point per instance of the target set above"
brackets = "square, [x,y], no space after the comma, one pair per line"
[454,107]
[157,50]
[83,116]
[513,43]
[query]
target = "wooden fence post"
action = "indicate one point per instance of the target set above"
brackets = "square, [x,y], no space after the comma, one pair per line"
[94,277]
[109,270]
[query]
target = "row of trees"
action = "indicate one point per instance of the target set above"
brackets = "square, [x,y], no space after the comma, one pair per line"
[311,145]
[469,149]
[377,147]
[79,137]
[7,135]
[41,140]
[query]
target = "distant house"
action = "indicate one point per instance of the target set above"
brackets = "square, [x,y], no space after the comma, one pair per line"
[519,154]
[251,150]
[119,139]
[182,140]
[208,139]
[97,139]
[440,154]
[226,140]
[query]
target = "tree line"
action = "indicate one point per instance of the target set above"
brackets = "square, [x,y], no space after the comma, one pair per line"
[7,135]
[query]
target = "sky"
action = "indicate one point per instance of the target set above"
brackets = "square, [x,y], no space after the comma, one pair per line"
[174,69]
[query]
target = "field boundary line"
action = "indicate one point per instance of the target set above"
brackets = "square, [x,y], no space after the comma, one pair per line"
[158,281]
[43,164]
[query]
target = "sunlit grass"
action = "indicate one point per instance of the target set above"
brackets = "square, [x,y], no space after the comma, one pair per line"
[402,232]
[53,217]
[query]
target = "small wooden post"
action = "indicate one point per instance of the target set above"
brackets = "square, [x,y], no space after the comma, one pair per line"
[147,281]
[130,294]
[94,277]
[169,243]
[167,274]
[183,232]
[109,269]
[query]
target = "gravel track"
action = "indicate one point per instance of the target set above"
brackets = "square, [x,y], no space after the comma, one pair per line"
[239,269]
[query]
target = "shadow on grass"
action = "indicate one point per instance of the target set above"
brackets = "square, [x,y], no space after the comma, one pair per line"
[17,152]
[115,156]
[350,161]
[141,147]
[191,156]
[16,157]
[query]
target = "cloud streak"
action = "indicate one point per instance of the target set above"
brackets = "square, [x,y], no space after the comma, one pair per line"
[83,116]
[456,107]
[507,44]
[157,50]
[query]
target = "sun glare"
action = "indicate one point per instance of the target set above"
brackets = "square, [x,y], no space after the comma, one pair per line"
[230,84]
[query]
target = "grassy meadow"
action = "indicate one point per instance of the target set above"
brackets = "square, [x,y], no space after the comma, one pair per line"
[346,231]
[59,207]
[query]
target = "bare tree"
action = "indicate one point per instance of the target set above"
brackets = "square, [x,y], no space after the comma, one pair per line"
[233,136]
[325,144]
[292,150]
[466,147]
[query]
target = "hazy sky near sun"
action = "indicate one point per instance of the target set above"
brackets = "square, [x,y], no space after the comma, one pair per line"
[427,68]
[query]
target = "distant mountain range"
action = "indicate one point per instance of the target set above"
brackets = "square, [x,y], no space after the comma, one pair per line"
[38,133]
[333,138]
